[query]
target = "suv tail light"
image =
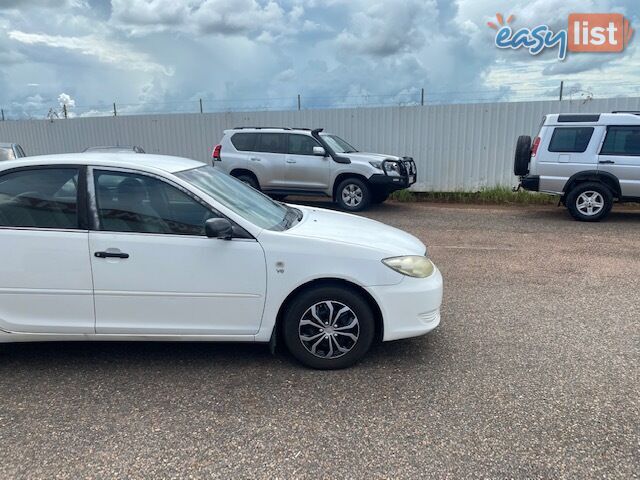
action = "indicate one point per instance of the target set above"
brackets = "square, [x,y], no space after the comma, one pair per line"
[534,147]
[216,152]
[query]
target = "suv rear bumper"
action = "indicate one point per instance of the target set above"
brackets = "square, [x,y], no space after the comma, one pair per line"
[530,182]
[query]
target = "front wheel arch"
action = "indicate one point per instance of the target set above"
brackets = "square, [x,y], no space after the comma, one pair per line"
[323,282]
[343,176]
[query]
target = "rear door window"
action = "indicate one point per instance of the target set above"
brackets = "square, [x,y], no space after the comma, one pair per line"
[570,139]
[244,142]
[272,143]
[40,198]
[622,141]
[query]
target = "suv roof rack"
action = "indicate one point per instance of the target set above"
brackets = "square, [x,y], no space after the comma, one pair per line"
[272,128]
[632,112]
[579,117]
[261,128]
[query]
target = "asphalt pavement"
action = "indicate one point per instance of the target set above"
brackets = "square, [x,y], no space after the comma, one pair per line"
[533,373]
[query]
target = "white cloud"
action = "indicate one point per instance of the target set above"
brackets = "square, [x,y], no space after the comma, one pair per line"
[387,27]
[106,52]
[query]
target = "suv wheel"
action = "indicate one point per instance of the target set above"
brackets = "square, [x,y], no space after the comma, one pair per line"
[353,195]
[249,180]
[589,202]
[328,327]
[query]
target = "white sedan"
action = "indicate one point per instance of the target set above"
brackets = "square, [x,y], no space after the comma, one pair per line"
[148,247]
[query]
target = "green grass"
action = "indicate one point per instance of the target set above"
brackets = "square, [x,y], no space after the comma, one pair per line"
[489,196]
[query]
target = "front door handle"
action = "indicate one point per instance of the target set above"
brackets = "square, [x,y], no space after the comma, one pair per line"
[291,161]
[254,159]
[109,254]
[607,162]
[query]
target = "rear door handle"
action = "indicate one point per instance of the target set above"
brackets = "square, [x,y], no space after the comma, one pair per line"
[108,254]
[607,162]
[291,161]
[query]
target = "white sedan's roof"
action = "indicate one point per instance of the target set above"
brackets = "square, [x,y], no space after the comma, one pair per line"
[123,160]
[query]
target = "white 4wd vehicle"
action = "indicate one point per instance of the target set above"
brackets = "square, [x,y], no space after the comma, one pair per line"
[298,161]
[590,160]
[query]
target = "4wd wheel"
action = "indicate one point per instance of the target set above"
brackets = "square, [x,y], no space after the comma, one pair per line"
[523,156]
[353,195]
[589,202]
[249,180]
[328,327]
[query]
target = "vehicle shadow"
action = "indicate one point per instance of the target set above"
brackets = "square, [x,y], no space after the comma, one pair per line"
[25,358]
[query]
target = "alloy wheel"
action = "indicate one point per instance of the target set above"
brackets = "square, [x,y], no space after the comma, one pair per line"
[352,195]
[590,203]
[329,329]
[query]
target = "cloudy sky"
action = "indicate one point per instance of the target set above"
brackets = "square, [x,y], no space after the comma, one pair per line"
[165,55]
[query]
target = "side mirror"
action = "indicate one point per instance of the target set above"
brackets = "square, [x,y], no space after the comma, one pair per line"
[218,228]
[320,151]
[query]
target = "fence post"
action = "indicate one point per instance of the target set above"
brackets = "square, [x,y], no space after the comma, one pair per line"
[115,112]
[298,101]
[200,105]
[422,96]
[561,89]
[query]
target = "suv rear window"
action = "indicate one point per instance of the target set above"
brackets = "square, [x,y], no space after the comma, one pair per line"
[570,139]
[244,142]
[622,141]
[271,143]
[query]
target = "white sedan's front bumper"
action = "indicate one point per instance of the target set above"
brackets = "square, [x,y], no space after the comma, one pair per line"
[410,308]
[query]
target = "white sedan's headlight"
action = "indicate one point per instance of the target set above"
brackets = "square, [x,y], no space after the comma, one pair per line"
[412,265]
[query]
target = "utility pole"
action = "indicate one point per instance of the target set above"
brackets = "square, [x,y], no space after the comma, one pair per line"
[2,110]
[561,89]
[422,96]
[115,112]
[298,101]
[200,105]
[64,110]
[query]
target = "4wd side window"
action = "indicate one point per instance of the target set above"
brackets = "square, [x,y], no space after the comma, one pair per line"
[622,141]
[129,202]
[271,143]
[244,142]
[40,198]
[570,139]
[301,144]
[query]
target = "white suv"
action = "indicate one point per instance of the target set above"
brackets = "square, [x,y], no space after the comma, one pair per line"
[590,160]
[298,161]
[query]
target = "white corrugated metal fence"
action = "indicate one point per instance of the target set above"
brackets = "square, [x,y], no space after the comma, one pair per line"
[456,147]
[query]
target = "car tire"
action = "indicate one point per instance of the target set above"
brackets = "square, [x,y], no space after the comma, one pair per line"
[353,195]
[523,156]
[309,322]
[249,180]
[589,202]
[379,197]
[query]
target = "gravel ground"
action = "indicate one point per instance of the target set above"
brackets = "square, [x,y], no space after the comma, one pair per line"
[533,373]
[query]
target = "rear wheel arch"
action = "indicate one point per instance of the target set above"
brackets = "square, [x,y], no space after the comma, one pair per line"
[605,178]
[239,172]
[333,282]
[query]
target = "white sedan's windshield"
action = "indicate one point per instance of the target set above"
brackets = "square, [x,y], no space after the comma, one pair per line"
[241,198]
